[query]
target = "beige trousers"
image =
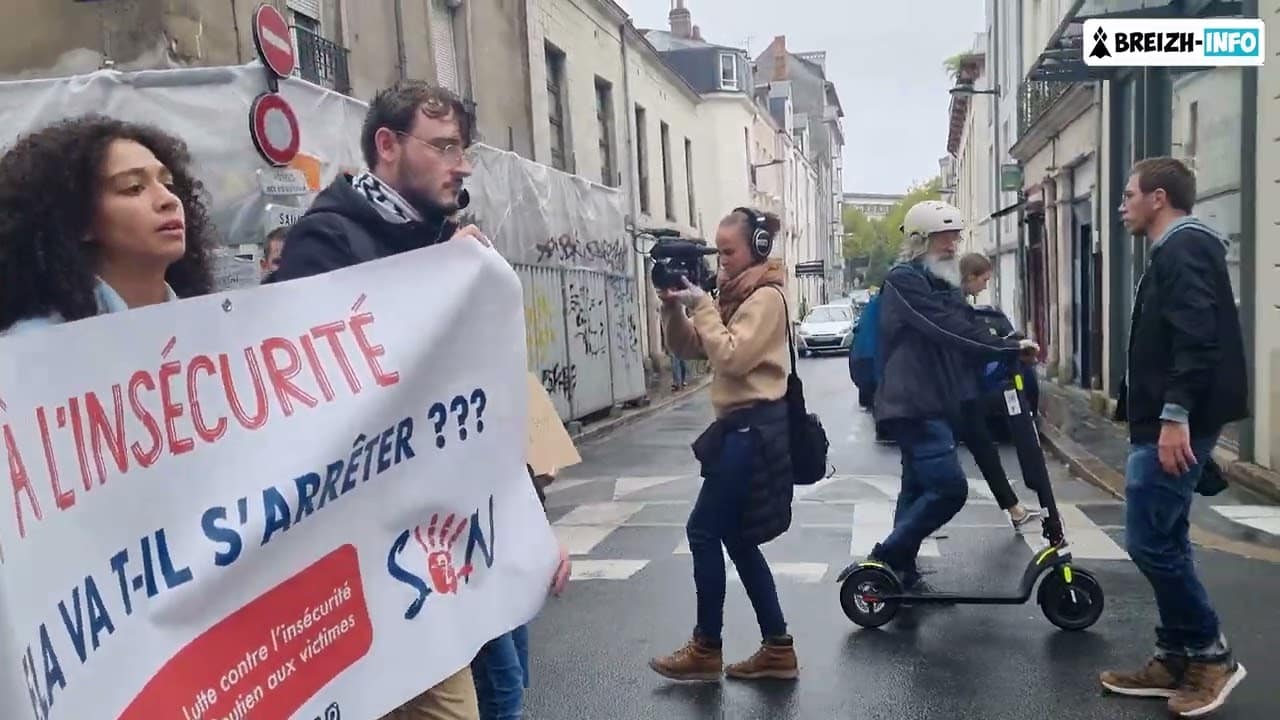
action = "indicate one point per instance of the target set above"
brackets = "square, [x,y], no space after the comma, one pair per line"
[453,699]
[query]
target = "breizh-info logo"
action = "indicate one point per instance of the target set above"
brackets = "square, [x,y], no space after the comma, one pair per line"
[1172,42]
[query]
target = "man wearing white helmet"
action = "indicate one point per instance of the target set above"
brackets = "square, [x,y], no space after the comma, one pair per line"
[929,342]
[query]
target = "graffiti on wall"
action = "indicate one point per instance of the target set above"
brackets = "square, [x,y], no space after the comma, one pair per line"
[561,379]
[570,250]
[626,331]
[586,320]
[540,322]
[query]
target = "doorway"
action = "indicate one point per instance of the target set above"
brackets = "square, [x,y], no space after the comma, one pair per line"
[1085,295]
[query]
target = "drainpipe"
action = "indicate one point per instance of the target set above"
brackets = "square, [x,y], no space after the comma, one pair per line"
[996,194]
[647,306]
[235,27]
[402,58]
[1098,381]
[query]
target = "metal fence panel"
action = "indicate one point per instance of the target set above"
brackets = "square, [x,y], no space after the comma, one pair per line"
[587,325]
[626,353]
[544,324]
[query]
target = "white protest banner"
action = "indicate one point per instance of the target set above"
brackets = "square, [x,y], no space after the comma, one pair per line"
[306,500]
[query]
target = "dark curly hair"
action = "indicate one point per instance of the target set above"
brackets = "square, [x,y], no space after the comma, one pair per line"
[49,190]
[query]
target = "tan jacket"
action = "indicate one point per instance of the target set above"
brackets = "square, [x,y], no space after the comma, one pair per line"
[749,358]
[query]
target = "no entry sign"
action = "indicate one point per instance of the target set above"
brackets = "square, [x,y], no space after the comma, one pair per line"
[274,129]
[271,38]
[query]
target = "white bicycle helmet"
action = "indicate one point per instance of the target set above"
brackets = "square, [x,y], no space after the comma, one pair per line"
[931,216]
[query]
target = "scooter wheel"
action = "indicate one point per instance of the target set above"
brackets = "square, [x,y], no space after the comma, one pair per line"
[1071,606]
[860,593]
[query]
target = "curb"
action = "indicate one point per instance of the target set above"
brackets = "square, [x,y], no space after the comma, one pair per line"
[1255,478]
[1081,462]
[1088,467]
[604,427]
[1247,475]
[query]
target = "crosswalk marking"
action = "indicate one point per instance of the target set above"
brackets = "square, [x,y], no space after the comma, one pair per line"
[561,485]
[604,513]
[980,489]
[629,485]
[872,523]
[801,572]
[1086,541]
[1259,517]
[581,539]
[884,483]
[606,569]
[862,505]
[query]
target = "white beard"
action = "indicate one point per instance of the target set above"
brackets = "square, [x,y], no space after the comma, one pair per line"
[947,271]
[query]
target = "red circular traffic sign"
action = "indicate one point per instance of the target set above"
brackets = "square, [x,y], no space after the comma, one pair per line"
[271,37]
[274,128]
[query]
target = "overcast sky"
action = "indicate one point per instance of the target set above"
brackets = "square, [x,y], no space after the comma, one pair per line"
[884,56]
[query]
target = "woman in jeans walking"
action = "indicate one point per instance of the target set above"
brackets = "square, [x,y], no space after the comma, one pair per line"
[746,493]
[975,273]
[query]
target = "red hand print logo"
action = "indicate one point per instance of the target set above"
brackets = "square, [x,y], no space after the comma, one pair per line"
[438,545]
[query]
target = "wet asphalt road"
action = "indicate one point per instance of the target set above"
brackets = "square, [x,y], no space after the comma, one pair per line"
[623,511]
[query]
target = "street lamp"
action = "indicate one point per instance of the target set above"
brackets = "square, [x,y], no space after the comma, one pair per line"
[966,89]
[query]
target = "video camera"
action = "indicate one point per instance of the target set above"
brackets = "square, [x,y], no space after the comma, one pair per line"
[675,258]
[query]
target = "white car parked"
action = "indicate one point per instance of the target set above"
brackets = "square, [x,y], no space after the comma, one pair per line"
[827,328]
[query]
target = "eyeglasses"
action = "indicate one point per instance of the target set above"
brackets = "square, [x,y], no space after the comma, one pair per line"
[451,152]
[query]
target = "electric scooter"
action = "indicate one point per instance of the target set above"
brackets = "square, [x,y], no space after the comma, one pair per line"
[1070,597]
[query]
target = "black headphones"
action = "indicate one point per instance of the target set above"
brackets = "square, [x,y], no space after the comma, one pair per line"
[760,240]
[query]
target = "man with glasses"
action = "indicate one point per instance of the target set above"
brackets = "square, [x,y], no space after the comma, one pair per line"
[413,142]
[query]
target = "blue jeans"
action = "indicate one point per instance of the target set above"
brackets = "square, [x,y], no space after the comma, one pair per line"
[933,491]
[1157,536]
[501,673]
[716,519]
[679,370]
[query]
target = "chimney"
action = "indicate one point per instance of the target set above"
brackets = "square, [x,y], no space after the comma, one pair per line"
[697,33]
[779,52]
[681,21]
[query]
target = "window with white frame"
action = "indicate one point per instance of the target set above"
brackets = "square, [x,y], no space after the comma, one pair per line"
[728,71]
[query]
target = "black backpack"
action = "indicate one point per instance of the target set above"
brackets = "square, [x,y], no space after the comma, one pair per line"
[809,443]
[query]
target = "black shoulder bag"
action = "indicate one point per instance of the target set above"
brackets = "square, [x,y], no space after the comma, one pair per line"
[809,443]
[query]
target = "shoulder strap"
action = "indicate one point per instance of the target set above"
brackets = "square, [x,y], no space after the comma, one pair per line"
[786,323]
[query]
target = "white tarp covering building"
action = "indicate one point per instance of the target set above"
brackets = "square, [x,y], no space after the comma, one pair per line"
[566,236]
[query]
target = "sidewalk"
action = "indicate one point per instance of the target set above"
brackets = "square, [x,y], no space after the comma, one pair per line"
[1243,520]
[659,396]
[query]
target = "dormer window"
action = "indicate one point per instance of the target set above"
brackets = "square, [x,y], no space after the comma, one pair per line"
[728,71]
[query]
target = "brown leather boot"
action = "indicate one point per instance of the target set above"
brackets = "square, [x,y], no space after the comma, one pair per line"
[1160,677]
[1205,688]
[776,659]
[697,660]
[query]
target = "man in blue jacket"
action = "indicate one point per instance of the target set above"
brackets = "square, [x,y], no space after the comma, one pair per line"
[862,356]
[929,341]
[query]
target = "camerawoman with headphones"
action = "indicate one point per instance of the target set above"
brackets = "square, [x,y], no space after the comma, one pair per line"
[746,494]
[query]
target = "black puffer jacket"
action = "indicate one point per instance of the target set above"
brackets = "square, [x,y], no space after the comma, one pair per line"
[766,506]
[931,343]
[342,228]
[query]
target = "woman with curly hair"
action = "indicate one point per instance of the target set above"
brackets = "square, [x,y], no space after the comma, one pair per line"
[98,215]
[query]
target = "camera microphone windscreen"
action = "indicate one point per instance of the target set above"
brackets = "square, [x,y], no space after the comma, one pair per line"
[680,248]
